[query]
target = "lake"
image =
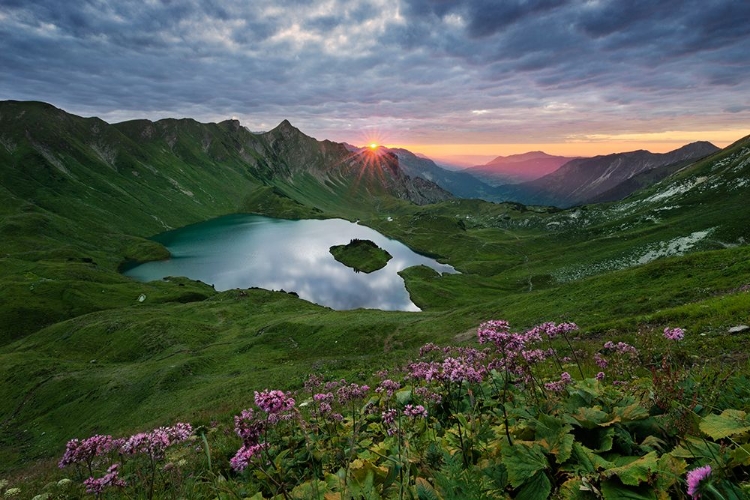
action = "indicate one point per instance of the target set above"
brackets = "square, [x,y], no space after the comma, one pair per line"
[244,251]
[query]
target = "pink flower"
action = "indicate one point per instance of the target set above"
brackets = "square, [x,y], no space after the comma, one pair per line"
[415,411]
[600,376]
[694,479]
[674,333]
[244,455]
[111,478]
[84,451]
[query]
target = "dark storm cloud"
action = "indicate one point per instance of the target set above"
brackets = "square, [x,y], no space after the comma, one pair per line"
[407,64]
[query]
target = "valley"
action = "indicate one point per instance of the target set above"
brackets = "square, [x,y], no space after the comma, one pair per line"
[81,354]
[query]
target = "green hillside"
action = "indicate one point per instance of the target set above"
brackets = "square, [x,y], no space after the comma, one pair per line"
[80,354]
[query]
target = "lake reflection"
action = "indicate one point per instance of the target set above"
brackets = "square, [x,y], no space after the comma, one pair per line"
[243,251]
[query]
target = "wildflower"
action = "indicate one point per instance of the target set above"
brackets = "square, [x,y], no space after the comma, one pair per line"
[85,451]
[559,385]
[388,416]
[428,395]
[248,427]
[351,392]
[155,442]
[600,376]
[600,361]
[388,386]
[694,479]
[415,411]
[275,403]
[674,334]
[244,455]
[111,478]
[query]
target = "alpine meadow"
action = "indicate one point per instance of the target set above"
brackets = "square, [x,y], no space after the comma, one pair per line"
[597,351]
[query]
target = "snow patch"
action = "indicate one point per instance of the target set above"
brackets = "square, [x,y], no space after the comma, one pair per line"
[639,256]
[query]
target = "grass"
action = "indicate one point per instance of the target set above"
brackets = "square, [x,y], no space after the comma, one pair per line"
[79,354]
[361,255]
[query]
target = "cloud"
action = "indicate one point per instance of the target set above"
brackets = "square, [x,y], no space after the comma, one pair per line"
[418,69]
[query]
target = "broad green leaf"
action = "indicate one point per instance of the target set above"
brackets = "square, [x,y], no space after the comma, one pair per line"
[612,490]
[741,455]
[553,435]
[590,418]
[535,488]
[670,470]
[630,413]
[729,423]
[522,461]
[637,471]
[584,460]
[578,488]
[403,396]
[697,448]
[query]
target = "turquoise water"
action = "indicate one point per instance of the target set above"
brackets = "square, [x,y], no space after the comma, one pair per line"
[243,251]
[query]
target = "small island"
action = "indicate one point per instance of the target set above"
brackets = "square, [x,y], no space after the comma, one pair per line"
[361,255]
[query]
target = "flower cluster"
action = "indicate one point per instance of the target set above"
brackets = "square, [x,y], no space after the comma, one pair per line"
[415,411]
[96,486]
[388,386]
[694,479]
[351,392]
[277,404]
[559,385]
[621,348]
[154,443]
[674,333]
[83,452]
[552,330]
[244,456]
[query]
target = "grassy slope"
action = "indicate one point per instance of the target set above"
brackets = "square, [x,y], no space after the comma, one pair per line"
[82,355]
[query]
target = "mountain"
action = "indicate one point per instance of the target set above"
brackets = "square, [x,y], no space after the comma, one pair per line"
[148,176]
[518,168]
[586,179]
[460,184]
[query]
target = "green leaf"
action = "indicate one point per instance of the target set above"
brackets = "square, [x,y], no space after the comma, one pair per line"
[589,418]
[630,413]
[670,470]
[612,490]
[577,489]
[403,396]
[535,488]
[637,471]
[729,423]
[553,435]
[522,461]
[584,460]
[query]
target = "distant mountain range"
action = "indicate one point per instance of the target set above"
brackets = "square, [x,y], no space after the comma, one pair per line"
[603,178]
[518,168]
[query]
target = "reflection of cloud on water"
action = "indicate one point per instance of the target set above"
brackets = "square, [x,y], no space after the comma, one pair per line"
[293,256]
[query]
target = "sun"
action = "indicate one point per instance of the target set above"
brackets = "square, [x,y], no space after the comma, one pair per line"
[373,145]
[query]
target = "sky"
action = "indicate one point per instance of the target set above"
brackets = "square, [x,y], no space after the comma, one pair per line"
[442,78]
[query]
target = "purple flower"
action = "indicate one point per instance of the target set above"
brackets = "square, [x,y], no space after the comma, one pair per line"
[111,478]
[274,402]
[351,392]
[388,386]
[415,411]
[694,479]
[155,442]
[244,455]
[600,361]
[84,451]
[559,385]
[674,333]
[600,376]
